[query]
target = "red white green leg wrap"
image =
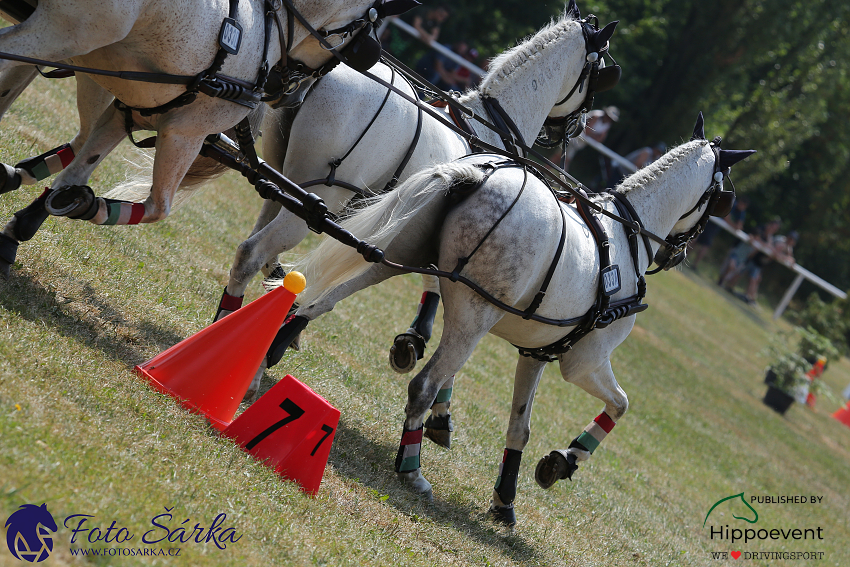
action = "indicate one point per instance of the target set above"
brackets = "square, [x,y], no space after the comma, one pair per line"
[47,164]
[584,445]
[120,212]
[228,304]
[444,396]
[407,459]
[508,473]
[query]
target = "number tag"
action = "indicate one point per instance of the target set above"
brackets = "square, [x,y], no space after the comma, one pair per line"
[289,429]
[610,280]
[230,36]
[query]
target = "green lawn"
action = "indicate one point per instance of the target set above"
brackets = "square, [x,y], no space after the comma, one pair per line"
[81,433]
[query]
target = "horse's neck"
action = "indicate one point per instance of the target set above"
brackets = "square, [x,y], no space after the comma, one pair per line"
[320,14]
[662,192]
[529,92]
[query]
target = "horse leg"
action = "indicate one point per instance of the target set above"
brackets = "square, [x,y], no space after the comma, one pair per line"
[409,347]
[12,83]
[526,379]
[26,222]
[467,319]
[439,426]
[602,384]
[92,102]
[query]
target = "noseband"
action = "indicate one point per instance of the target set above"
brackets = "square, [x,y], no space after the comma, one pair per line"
[718,203]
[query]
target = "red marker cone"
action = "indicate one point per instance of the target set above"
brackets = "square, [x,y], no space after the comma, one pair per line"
[291,429]
[210,371]
[843,415]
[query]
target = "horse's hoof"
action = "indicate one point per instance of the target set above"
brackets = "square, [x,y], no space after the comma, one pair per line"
[284,338]
[553,467]
[254,389]
[407,349]
[75,201]
[504,515]
[8,252]
[418,483]
[439,428]
[9,178]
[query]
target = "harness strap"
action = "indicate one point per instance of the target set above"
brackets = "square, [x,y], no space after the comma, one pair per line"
[410,149]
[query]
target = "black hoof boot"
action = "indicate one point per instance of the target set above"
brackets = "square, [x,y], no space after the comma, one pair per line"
[439,430]
[504,515]
[8,252]
[555,466]
[287,333]
[407,349]
[9,178]
[29,219]
[75,201]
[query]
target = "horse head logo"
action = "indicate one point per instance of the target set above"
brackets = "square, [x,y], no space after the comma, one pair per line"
[722,500]
[28,533]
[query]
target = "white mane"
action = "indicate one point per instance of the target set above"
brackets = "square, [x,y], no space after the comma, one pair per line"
[651,172]
[503,65]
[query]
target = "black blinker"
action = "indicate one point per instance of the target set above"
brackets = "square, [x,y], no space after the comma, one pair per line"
[728,158]
[364,51]
[723,205]
[607,78]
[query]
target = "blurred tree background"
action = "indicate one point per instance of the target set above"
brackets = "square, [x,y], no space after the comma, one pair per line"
[771,75]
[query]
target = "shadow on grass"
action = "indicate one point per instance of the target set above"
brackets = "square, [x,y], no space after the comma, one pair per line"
[93,322]
[370,464]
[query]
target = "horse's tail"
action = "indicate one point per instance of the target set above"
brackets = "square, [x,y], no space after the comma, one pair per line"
[379,221]
[137,187]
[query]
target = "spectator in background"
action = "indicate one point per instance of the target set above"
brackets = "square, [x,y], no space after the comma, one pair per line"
[463,77]
[429,25]
[439,70]
[641,157]
[402,45]
[781,249]
[599,122]
[735,219]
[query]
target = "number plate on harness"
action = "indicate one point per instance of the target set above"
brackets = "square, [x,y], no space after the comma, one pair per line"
[610,278]
[230,36]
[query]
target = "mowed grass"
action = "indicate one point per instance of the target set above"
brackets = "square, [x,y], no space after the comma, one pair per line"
[80,432]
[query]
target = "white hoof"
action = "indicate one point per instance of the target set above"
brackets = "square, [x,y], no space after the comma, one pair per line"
[418,483]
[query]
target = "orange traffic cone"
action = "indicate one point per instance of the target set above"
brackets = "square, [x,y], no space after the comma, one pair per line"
[210,371]
[290,429]
[843,415]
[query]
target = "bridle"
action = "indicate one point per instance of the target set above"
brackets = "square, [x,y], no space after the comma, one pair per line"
[599,78]
[718,203]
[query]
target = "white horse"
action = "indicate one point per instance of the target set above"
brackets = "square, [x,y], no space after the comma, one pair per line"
[349,116]
[413,226]
[179,38]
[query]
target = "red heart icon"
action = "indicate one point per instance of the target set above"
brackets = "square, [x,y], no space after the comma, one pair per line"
[735,554]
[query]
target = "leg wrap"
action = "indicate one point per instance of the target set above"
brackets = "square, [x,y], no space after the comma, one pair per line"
[9,178]
[508,473]
[123,212]
[29,219]
[407,459]
[49,163]
[228,303]
[423,324]
[594,433]
[444,396]
[284,338]
[8,252]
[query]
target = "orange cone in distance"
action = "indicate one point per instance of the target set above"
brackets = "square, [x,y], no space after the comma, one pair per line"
[210,371]
[291,429]
[843,415]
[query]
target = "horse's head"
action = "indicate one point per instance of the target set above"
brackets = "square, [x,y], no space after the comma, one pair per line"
[715,201]
[568,116]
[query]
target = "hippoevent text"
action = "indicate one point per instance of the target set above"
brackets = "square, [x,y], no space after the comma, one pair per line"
[750,534]
[162,531]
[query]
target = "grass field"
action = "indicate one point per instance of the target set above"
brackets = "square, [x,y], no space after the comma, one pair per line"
[81,433]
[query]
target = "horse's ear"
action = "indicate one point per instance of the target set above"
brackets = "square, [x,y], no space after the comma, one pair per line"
[600,38]
[572,10]
[699,129]
[728,158]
